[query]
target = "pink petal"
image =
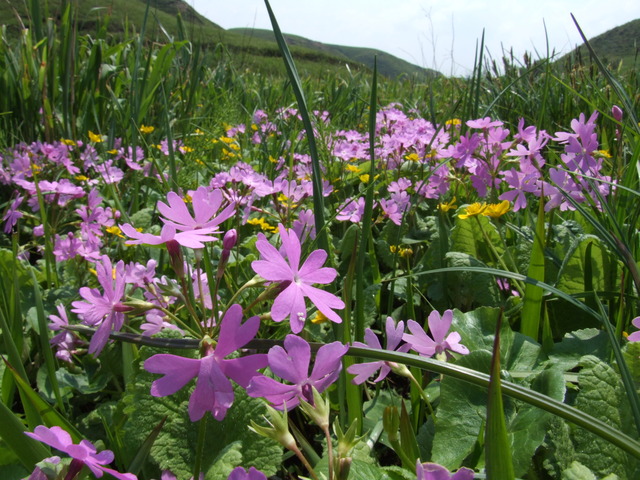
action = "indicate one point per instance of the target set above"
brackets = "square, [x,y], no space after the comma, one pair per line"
[291,245]
[242,370]
[233,333]
[439,325]
[213,392]
[291,363]
[324,301]
[177,371]
[290,302]
[314,261]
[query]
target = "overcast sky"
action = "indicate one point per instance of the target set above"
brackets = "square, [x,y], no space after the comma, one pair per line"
[439,34]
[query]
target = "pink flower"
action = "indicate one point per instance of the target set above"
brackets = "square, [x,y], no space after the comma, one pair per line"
[105,309]
[433,471]
[438,327]
[205,203]
[290,302]
[239,473]
[635,336]
[189,239]
[291,363]
[83,453]
[213,392]
[364,370]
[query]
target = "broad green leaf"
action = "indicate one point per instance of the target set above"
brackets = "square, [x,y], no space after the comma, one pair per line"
[462,409]
[471,236]
[477,329]
[467,289]
[229,458]
[174,448]
[589,341]
[602,395]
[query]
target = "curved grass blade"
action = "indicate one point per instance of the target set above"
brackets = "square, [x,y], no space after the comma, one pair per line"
[625,374]
[571,414]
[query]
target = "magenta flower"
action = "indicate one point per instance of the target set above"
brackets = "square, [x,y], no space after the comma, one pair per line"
[291,363]
[213,392]
[276,267]
[239,473]
[206,204]
[364,370]
[635,336]
[438,327]
[189,239]
[433,471]
[83,453]
[104,310]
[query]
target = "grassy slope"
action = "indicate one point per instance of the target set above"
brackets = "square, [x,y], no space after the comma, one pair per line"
[388,65]
[254,51]
[620,44]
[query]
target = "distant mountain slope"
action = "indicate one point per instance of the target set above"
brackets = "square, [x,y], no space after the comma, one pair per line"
[620,44]
[388,64]
[255,49]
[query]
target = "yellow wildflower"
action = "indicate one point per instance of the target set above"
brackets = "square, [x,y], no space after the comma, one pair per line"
[319,317]
[228,140]
[262,224]
[446,206]
[453,121]
[473,210]
[146,129]
[115,230]
[496,210]
[81,178]
[272,160]
[95,138]
[353,168]
[112,152]
[186,149]
[604,153]
[412,157]
[68,142]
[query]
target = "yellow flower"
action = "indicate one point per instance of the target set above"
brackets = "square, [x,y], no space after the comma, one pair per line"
[393,248]
[319,317]
[115,230]
[186,149]
[453,121]
[262,224]
[604,153]
[146,129]
[68,142]
[81,178]
[198,132]
[272,160]
[406,252]
[446,206]
[412,157]
[112,152]
[365,178]
[353,168]
[496,210]
[473,210]
[228,140]
[94,137]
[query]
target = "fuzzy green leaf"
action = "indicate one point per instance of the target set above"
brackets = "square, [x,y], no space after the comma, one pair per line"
[602,395]
[176,443]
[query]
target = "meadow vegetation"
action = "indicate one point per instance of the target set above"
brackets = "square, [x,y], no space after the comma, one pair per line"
[281,267]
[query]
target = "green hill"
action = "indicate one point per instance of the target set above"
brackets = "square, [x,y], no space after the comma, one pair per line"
[388,65]
[618,45]
[249,49]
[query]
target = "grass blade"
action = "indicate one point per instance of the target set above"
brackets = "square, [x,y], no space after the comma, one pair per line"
[532,302]
[498,460]
[316,174]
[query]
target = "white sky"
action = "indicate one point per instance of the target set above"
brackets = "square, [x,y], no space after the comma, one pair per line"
[439,34]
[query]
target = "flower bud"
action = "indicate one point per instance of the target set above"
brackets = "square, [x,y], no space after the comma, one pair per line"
[230,239]
[616,111]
